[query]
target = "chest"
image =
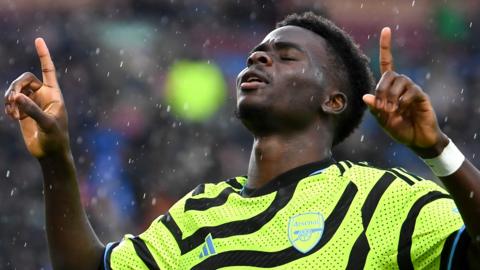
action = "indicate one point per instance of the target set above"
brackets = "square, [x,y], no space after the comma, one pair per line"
[301,225]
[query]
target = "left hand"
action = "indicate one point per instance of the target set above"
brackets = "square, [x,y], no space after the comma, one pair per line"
[401,107]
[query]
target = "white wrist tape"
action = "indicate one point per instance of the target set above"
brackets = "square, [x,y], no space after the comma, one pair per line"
[448,162]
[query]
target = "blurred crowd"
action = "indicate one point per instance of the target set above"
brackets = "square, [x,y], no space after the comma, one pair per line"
[135,156]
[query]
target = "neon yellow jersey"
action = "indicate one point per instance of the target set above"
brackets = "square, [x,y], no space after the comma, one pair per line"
[323,215]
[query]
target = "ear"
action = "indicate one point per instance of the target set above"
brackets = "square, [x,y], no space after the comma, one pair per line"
[335,103]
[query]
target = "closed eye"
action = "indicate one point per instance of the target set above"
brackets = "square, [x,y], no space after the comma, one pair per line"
[286,58]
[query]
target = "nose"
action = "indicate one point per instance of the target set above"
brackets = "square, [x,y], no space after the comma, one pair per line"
[259,58]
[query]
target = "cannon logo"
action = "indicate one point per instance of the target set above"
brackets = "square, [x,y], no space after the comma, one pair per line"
[305,230]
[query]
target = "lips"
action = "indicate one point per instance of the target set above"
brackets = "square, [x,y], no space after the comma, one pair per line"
[252,80]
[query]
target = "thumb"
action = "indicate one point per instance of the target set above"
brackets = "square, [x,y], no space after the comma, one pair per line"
[380,115]
[30,108]
[369,99]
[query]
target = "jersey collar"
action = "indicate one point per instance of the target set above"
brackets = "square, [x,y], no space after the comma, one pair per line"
[289,177]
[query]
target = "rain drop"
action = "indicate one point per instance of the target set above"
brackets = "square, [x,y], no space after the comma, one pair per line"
[413,3]
[362,138]
[471,195]
[121,63]
[8,174]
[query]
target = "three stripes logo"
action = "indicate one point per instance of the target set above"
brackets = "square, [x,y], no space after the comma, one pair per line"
[208,248]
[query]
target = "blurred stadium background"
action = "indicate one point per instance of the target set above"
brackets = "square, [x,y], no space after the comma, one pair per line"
[142,136]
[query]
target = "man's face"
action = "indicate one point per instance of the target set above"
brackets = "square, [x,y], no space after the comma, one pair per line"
[284,81]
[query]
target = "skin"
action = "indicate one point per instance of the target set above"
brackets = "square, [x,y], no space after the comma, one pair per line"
[293,128]
[40,110]
[280,143]
[405,112]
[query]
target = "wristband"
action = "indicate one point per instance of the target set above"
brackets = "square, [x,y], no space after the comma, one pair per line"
[448,162]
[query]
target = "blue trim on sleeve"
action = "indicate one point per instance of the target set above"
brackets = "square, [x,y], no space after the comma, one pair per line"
[107,250]
[454,247]
[316,172]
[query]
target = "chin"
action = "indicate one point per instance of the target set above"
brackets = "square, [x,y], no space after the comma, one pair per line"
[249,110]
[263,120]
[255,117]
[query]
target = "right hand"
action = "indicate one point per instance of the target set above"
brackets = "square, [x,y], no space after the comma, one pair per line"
[39,108]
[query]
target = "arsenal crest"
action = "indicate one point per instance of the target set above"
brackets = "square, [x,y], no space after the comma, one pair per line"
[305,230]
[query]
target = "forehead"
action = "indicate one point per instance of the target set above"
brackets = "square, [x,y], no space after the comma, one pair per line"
[311,42]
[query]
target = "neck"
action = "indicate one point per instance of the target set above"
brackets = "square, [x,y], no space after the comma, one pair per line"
[275,154]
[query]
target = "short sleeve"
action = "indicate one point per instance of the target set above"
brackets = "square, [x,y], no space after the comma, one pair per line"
[432,221]
[154,249]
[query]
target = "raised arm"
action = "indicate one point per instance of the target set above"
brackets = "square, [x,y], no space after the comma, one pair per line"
[40,110]
[405,112]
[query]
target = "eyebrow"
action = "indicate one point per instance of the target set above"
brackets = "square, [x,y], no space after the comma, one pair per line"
[278,46]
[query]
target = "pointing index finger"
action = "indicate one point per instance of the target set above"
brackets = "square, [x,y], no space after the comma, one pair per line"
[386,58]
[48,68]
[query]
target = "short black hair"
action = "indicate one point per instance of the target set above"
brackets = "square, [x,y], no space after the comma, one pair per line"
[352,72]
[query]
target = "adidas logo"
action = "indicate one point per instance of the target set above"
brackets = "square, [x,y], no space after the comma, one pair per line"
[208,248]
